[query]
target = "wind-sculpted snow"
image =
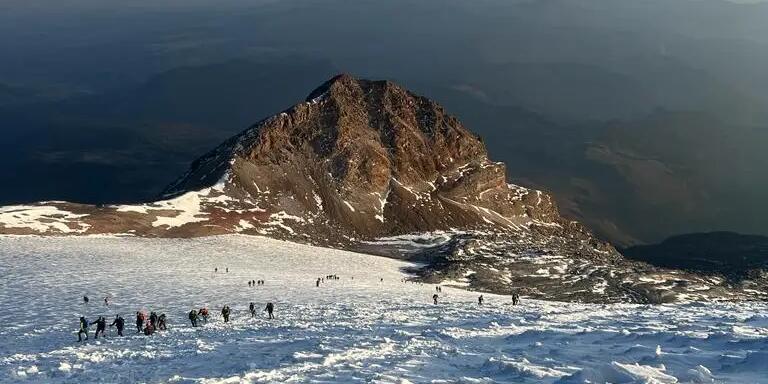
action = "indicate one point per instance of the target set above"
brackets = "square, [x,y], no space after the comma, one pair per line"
[355,329]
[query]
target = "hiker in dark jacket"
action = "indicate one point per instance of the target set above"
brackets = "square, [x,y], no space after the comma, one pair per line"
[270,308]
[161,322]
[101,326]
[120,323]
[83,329]
[139,322]
[252,309]
[153,319]
[480,300]
[225,313]
[193,317]
[435,297]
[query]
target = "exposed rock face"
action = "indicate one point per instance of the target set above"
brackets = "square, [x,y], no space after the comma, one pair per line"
[371,159]
[359,164]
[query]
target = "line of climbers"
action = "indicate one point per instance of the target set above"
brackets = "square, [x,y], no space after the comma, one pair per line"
[144,324]
[154,322]
[328,277]
[148,325]
[195,315]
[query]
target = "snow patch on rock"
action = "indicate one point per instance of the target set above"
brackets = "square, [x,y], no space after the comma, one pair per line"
[41,218]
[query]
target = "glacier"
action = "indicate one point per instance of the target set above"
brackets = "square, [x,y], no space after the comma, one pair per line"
[374,324]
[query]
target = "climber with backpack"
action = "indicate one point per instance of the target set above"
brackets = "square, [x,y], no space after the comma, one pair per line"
[225,313]
[140,318]
[153,319]
[204,313]
[149,329]
[101,326]
[83,329]
[120,323]
[193,317]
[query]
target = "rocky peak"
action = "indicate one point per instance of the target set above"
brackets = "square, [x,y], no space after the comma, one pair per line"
[374,159]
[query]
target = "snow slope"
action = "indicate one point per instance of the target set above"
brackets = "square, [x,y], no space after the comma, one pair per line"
[356,329]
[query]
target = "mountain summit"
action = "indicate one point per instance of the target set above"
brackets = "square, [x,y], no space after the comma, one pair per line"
[371,159]
[369,166]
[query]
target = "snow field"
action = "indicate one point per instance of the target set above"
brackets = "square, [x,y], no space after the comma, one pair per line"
[348,330]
